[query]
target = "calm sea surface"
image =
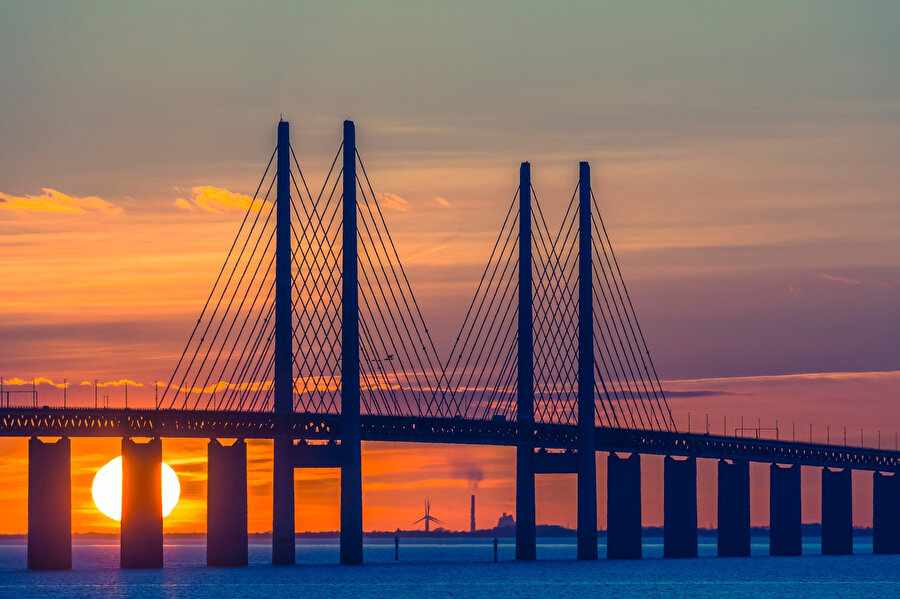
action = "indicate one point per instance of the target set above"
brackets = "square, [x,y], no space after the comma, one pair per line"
[459,568]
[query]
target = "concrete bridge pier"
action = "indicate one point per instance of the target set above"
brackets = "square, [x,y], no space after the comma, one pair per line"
[226,500]
[886,513]
[49,505]
[680,507]
[141,540]
[784,510]
[623,514]
[837,512]
[734,509]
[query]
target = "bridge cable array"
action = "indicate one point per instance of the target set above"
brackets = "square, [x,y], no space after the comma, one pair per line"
[228,361]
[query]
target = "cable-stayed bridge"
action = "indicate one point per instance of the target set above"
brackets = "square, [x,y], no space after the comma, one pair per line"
[312,333]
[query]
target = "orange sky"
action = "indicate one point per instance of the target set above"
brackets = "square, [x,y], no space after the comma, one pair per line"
[397,478]
[743,155]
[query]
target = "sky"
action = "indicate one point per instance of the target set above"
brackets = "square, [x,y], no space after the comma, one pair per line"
[744,158]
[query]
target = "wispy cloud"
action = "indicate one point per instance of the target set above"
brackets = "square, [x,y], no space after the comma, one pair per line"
[802,376]
[443,202]
[55,201]
[838,279]
[37,381]
[391,201]
[206,198]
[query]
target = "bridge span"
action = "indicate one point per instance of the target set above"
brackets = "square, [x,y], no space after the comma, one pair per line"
[208,424]
[312,337]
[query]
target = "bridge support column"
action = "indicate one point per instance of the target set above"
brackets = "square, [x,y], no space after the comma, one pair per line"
[886,513]
[526,535]
[141,539]
[680,507]
[837,512]
[587,447]
[226,498]
[283,445]
[623,513]
[784,510]
[734,509]
[351,447]
[49,505]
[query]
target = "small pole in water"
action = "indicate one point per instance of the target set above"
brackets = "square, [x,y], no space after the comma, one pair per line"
[495,550]
[396,548]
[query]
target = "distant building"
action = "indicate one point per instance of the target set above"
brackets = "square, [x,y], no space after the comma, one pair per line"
[506,521]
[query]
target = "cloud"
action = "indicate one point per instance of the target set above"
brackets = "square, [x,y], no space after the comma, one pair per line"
[392,201]
[57,202]
[215,199]
[183,203]
[800,376]
[443,202]
[119,383]
[37,381]
[838,279]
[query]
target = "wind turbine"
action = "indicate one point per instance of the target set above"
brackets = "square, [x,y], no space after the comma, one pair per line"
[428,518]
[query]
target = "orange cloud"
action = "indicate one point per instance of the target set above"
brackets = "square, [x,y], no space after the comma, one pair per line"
[443,202]
[58,202]
[216,200]
[391,201]
[37,381]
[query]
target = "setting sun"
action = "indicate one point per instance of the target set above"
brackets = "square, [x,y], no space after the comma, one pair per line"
[107,489]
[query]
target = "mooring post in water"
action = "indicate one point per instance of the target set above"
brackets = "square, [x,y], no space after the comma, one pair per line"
[495,550]
[397,548]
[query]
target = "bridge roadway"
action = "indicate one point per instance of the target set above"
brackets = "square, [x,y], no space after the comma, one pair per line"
[109,422]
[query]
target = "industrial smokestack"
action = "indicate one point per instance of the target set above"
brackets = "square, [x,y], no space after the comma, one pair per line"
[472,524]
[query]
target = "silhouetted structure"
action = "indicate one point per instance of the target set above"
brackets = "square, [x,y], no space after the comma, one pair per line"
[141,526]
[226,511]
[49,505]
[784,510]
[427,518]
[623,512]
[680,507]
[837,512]
[472,516]
[320,339]
[733,504]
[885,515]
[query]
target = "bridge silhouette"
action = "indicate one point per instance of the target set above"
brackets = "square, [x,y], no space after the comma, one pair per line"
[312,336]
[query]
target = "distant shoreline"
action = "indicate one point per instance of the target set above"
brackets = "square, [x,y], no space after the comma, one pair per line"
[543,531]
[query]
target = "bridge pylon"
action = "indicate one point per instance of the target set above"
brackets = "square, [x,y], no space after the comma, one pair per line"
[351,458]
[586,461]
[283,533]
[526,540]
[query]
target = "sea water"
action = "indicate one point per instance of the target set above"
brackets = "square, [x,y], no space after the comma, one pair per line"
[458,567]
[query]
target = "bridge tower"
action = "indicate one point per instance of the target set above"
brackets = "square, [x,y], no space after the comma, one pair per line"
[351,459]
[283,467]
[586,461]
[525,502]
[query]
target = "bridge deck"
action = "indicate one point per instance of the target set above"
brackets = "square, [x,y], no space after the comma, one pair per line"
[90,422]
